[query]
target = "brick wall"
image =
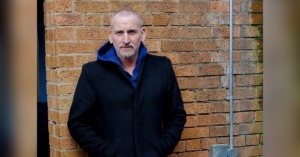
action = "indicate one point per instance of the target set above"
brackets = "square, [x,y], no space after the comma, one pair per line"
[195,36]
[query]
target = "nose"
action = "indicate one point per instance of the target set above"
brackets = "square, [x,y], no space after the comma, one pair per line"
[126,39]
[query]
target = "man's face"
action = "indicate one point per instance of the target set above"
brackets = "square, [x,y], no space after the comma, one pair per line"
[126,35]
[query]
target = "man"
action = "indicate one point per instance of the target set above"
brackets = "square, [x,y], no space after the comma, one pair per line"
[127,103]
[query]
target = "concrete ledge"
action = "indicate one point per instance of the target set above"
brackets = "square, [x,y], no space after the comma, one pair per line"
[218,150]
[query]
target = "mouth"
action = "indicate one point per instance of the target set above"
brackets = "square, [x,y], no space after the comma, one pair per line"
[125,47]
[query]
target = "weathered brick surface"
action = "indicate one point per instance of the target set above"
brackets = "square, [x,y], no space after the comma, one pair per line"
[194,35]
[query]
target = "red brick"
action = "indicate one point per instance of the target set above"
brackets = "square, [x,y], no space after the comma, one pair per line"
[68,75]
[92,19]
[82,59]
[66,143]
[256,79]
[190,121]
[195,82]
[51,128]
[52,89]
[160,6]
[261,139]
[213,19]
[194,19]
[250,151]
[252,139]
[247,44]
[212,82]
[252,31]
[147,19]
[161,19]
[197,108]
[195,33]
[53,152]
[188,96]
[255,6]
[244,93]
[92,34]
[240,19]
[63,89]
[58,116]
[48,20]
[62,130]
[193,57]
[223,140]
[217,94]
[222,32]
[71,47]
[209,120]
[189,108]
[239,141]
[60,61]
[207,142]
[153,45]
[58,6]
[189,133]
[67,89]
[185,70]
[66,19]
[250,105]
[251,128]
[243,68]
[211,69]
[180,147]
[105,19]
[259,68]
[243,117]
[215,131]
[219,6]
[132,5]
[51,75]
[183,82]
[255,19]
[242,80]
[201,96]
[192,145]
[206,45]
[59,34]
[160,32]
[217,107]
[53,141]
[88,6]
[193,7]
[259,116]
[177,19]
[52,102]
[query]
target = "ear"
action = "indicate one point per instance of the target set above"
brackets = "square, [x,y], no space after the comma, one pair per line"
[110,38]
[143,32]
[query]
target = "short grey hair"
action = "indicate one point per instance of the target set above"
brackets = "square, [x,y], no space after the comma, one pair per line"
[126,12]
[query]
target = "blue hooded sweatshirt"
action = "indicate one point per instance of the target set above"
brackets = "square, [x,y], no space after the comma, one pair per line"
[107,53]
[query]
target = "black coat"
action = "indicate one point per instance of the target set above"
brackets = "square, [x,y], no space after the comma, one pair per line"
[110,118]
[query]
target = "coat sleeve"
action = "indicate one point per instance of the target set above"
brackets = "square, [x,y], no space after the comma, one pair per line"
[175,115]
[80,117]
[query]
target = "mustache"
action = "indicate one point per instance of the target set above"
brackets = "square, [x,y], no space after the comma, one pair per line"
[127,46]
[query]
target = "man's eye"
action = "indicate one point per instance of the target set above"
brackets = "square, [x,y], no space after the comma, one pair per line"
[119,33]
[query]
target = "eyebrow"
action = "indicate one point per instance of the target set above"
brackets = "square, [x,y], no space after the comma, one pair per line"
[129,30]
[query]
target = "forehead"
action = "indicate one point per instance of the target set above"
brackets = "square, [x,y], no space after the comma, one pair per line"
[124,21]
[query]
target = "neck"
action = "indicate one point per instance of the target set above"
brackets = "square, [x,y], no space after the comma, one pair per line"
[129,63]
